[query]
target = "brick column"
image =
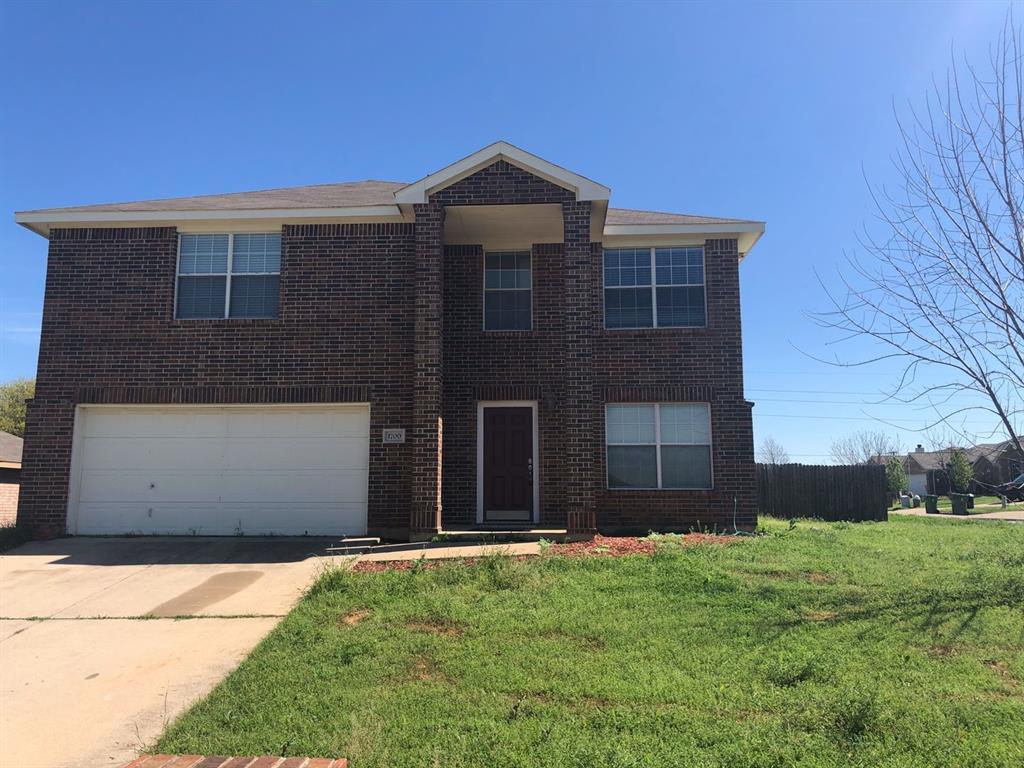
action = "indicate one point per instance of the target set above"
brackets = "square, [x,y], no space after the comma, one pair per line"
[425,518]
[578,409]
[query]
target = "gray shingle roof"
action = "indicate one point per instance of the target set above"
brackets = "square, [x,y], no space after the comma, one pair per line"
[10,448]
[344,195]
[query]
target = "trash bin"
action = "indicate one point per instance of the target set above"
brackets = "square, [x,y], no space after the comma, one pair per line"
[931,504]
[970,501]
[915,501]
[959,502]
[904,501]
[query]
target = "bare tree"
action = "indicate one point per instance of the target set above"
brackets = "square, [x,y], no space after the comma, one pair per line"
[941,289]
[866,447]
[771,452]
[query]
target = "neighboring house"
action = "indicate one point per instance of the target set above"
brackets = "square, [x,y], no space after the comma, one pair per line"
[10,476]
[492,346]
[993,463]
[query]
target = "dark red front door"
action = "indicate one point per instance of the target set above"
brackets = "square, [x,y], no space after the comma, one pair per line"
[508,464]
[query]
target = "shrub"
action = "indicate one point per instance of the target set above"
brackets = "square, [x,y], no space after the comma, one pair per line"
[895,476]
[960,472]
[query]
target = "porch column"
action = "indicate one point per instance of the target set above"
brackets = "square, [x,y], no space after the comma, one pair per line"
[578,409]
[425,519]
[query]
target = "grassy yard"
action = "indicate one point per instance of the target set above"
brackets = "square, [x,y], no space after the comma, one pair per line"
[829,644]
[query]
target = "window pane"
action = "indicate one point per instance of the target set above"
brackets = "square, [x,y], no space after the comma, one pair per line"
[254,296]
[685,466]
[627,267]
[688,423]
[256,253]
[632,466]
[630,424]
[679,266]
[628,308]
[507,310]
[681,307]
[203,254]
[201,297]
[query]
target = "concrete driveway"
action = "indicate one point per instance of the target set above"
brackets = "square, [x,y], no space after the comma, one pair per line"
[104,641]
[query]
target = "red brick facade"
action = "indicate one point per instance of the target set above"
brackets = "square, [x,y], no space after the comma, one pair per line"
[387,314]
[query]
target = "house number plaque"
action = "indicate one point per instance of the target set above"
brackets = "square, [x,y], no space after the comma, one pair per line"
[393,435]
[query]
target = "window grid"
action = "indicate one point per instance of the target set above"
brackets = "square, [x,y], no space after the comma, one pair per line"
[505,274]
[657,444]
[633,272]
[229,267]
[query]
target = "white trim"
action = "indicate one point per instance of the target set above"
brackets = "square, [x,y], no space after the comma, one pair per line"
[483,303]
[481,404]
[42,222]
[747,233]
[657,444]
[585,188]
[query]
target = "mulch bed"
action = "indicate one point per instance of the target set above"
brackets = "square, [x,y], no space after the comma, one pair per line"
[599,546]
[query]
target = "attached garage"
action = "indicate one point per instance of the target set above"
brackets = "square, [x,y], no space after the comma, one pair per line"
[220,470]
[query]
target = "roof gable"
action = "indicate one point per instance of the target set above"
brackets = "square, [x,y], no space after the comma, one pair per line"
[585,188]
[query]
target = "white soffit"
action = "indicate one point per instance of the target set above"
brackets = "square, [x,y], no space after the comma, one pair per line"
[746,233]
[42,222]
[585,188]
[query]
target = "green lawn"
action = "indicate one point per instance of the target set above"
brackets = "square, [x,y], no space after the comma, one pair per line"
[896,644]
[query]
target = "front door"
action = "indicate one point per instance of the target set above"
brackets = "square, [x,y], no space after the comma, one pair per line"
[507,464]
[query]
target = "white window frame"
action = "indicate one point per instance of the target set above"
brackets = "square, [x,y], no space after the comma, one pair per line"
[653,288]
[483,302]
[227,287]
[657,448]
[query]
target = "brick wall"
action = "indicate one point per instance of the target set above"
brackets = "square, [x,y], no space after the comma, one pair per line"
[344,334]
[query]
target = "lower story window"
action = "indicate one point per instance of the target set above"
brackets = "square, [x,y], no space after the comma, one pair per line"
[659,445]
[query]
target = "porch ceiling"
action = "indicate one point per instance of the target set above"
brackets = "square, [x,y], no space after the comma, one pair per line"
[503,227]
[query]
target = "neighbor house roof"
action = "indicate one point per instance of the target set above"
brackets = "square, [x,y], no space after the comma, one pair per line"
[10,450]
[929,460]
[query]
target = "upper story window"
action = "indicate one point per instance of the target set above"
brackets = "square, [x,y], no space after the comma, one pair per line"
[674,298]
[508,291]
[228,276]
[659,445]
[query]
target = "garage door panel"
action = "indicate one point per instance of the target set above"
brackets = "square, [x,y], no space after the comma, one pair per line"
[291,423]
[151,423]
[170,486]
[252,487]
[297,453]
[152,453]
[219,519]
[221,470]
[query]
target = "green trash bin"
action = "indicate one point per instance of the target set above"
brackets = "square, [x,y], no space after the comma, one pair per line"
[931,504]
[959,502]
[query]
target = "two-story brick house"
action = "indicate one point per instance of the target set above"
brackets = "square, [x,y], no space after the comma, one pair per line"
[492,346]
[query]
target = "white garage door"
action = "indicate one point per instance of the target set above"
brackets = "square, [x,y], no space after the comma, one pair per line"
[249,470]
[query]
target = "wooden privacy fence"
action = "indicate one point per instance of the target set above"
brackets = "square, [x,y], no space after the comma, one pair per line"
[826,492]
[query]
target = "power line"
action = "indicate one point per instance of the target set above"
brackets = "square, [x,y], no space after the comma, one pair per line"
[842,418]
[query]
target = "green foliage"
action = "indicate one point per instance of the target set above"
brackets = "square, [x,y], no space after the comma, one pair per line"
[895,476]
[960,472]
[13,395]
[818,645]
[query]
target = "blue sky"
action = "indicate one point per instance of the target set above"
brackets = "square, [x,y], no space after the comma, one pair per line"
[764,111]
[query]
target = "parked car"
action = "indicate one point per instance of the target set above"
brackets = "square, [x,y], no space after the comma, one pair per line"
[1013,490]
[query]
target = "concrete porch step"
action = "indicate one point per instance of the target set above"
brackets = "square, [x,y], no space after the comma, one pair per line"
[354,546]
[501,535]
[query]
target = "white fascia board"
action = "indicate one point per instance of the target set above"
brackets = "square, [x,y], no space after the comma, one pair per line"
[747,233]
[42,221]
[585,188]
